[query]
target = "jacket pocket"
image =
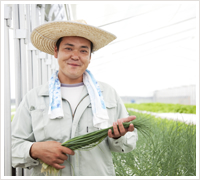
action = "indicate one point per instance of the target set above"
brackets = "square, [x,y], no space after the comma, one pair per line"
[90,125]
[111,110]
[110,105]
[38,124]
[45,129]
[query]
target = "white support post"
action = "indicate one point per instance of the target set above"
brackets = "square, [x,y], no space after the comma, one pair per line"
[68,11]
[22,40]
[18,95]
[39,71]
[64,13]
[18,86]
[42,57]
[42,14]
[48,63]
[18,92]
[34,52]
[53,65]
[29,60]
[7,105]
[44,71]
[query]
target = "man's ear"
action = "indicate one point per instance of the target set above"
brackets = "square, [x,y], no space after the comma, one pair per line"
[55,52]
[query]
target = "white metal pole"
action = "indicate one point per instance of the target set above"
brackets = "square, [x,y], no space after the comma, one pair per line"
[7,105]
[30,68]
[68,9]
[39,69]
[34,52]
[42,57]
[64,13]
[23,49]
[42,14]
[44,71]
[18,95]
[53,66]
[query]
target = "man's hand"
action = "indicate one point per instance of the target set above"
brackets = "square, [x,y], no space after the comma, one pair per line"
[122,131]
[51,153]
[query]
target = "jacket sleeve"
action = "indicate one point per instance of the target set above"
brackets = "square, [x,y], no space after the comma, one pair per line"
[127,142]
[22,137]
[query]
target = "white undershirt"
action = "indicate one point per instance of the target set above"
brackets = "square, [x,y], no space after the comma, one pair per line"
[72,93]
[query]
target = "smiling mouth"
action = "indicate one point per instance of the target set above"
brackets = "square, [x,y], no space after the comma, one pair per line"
[73,64]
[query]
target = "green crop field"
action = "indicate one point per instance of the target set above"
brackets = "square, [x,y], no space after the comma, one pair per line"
[163,108]
[169,151]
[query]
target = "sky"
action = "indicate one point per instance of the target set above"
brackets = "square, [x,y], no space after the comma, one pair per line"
[156,46]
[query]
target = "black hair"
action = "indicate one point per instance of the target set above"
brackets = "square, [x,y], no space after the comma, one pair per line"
[60,39]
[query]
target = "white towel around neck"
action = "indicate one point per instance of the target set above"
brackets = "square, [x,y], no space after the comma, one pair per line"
[100,115]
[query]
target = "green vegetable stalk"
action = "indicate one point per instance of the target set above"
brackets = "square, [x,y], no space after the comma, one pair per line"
[90,140]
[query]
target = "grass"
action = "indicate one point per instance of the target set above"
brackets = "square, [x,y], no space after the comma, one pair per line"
[164,108]
[170,152]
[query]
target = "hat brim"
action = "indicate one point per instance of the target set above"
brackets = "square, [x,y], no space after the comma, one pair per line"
[45,36]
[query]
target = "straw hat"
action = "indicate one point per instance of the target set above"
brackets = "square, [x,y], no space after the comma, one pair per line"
[45,36]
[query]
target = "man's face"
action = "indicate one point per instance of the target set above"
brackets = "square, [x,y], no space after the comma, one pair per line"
[73,59]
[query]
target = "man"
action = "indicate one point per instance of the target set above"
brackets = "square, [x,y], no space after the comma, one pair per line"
[43,120]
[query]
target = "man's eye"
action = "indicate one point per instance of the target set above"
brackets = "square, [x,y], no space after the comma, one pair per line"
[68,49]
[84,51]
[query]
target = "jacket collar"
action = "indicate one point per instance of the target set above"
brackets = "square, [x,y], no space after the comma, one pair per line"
[44,91]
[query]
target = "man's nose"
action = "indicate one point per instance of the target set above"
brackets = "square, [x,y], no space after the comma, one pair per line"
[75,55]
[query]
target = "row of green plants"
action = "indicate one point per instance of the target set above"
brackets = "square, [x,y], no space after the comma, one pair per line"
[170,150]
[163,107]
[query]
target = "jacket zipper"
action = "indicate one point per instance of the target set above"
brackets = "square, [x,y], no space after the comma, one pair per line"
[74,113]
[78,105]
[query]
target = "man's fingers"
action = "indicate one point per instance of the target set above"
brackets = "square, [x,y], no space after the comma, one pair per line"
[121,131]
[130,118]
[57,166]
[121,128]
[63,157]
[115,129]
[110,133]
[66,150]
[131,127]
[59,161]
